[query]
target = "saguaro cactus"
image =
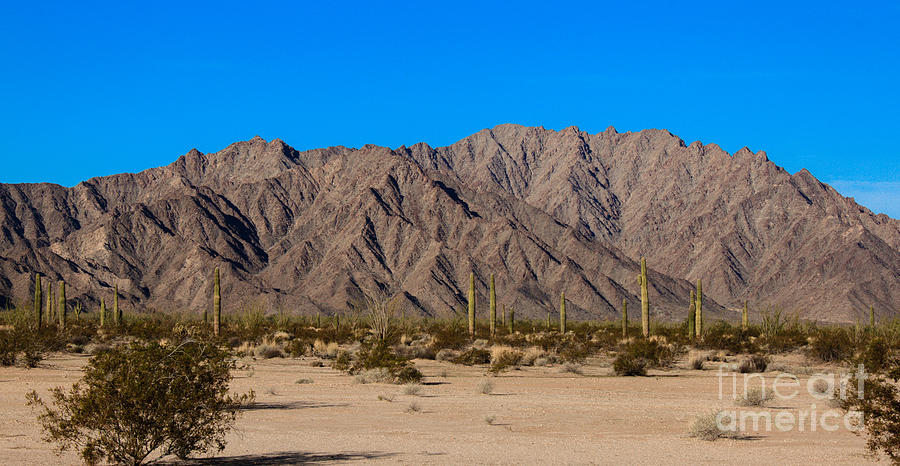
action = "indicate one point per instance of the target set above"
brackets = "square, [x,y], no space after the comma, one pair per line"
[624,318]
[562,312]
[493,308]
[50,299]
[549,325]
[61,307]
[102,312]
[645,299]
[512,320]
[692,316]
[745,317]
[117,313]
[38,301]
[699,320]
[472,305]
[217,304]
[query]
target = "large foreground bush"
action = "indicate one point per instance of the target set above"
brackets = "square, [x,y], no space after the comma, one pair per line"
[880,400]
[144,398]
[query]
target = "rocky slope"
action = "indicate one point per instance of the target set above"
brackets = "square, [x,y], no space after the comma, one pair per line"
[545,211]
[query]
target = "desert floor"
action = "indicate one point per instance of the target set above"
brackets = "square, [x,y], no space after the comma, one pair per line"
[541,415]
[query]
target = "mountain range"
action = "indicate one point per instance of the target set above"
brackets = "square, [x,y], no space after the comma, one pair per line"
[544,211]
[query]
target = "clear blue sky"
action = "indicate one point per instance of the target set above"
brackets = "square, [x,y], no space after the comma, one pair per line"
[91,88]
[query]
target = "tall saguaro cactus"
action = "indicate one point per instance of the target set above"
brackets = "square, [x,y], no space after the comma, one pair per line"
[102,312]
[512,320]
[624,318]
[50,299]
[217,303]
[699,319]
[117,314]
[61,307]
[472,305]
[692,316]
[38,301]
[493,313]
[645,299]
[562,312]
[745,317]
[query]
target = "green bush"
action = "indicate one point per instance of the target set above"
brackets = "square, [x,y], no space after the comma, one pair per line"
[831,344]
[379,354]
[137,399]
[879,404]
[627,364]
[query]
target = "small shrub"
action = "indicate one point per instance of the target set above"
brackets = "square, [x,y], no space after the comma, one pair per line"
[831,344]
[341,362]
[473,356]
[414,407]
[142,398]
[304,381]
[490,419]
[268,351]
[388,398]
[446,354]
[532,354]
[504,357]
[413,389]
[705,427]
[571,368]
[629,365]
[378,355]
[376,375]
[754,397]
[485,387]
[753,364]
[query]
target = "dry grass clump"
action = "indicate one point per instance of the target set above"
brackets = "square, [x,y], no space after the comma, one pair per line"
[537,356]
[490,419]
[376,375]
[414,407]
[571,368]
[504,357]
[486,387]
[705,427]
[473,356]
[753,364]
[303,381]
[325,350]
[413,389]
[415,351]
[755,397]
[268,351]
[388,397]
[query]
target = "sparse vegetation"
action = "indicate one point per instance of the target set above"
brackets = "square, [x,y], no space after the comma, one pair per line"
[755,397]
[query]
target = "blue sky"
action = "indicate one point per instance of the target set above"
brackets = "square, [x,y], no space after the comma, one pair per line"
[95,88]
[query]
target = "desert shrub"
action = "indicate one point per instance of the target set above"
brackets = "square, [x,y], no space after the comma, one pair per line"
[446,354]
[378,354]
[571,368]
[414,407]
[652,351]
[142,398]
[879,405]
[755,397]
[304,381]
[376,375]
[298,347]
[415,351]
[531,354]
[831,344]
[268,349]
[414,389]
[696,363]
[724,336]
[753,363]
[504,357]
[23,346]
[325,350]
[485,387]
[627,364]
[705,427]
[342,361]
[451,334]
[473,356]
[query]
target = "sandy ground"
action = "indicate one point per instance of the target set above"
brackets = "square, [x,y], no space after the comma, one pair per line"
[541,416]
